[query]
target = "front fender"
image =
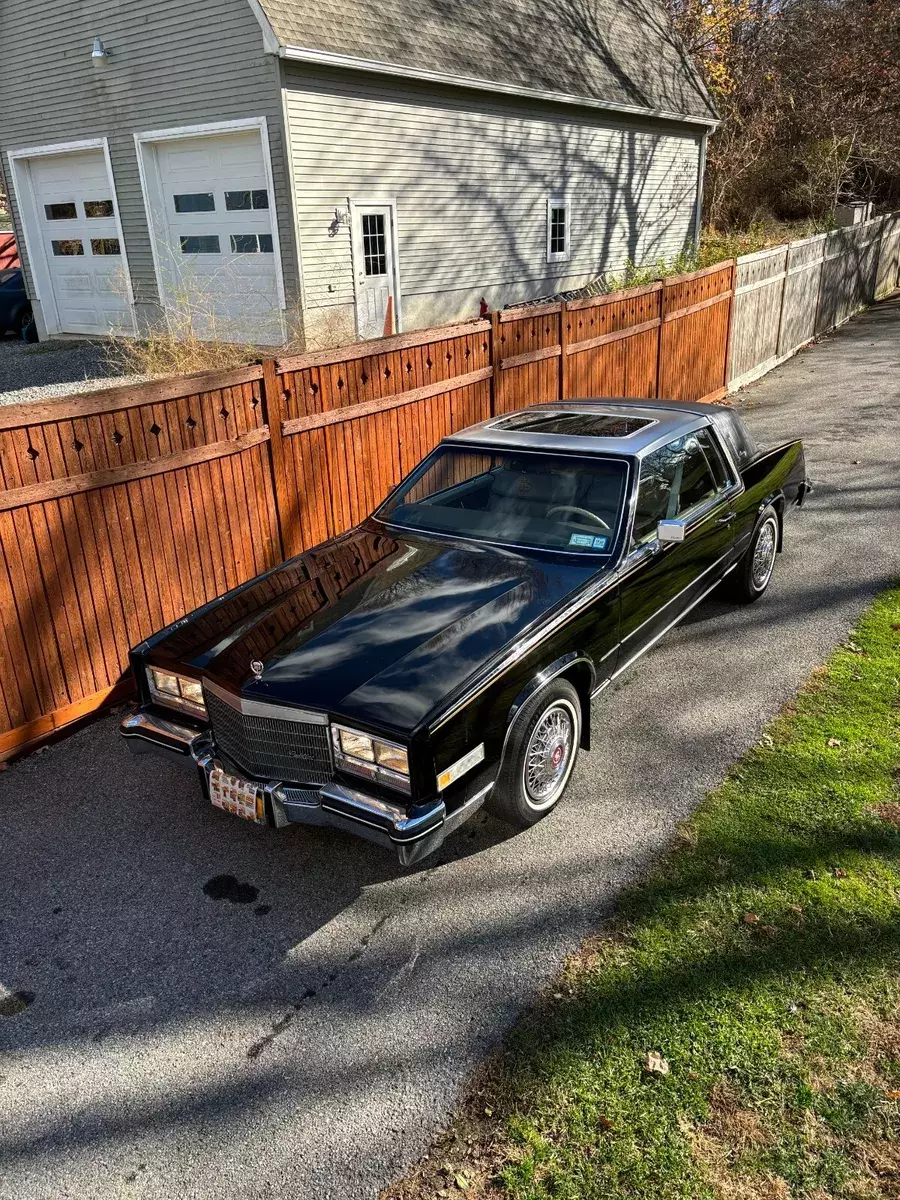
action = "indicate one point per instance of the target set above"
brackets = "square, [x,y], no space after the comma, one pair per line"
[583,678]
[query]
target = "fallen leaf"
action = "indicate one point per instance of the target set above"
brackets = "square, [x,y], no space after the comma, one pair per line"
[655,1064]
[604,1122]
[839,873]
[557,995]
[462,1182]
[488,1112]
[769,930]
[797,908]
[893,1094]
[833,742]
[751,918]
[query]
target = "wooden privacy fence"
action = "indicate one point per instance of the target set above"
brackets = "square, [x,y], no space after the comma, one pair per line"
[122,510]
[789,294]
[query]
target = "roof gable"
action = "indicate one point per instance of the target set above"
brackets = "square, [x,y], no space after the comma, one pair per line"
[617,53]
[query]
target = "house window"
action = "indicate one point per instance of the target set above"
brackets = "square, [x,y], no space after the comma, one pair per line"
[98,208]
[374,239]
[251,243]
[105,246]
[60,212]
[244,201]
[194,202]
[557,229]
[67,248]
[207,243]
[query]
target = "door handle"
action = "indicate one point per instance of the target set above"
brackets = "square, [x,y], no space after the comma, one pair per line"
[727,519]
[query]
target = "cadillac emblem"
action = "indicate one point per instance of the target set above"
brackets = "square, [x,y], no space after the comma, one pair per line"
[257,668]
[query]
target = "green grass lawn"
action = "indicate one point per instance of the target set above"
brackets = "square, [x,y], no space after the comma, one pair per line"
[758,972]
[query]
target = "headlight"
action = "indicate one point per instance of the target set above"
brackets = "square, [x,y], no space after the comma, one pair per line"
[176,691]
[386,762]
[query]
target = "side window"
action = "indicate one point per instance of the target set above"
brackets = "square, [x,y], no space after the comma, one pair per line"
[674,480]
[717,463]
[657,490]
[697,483]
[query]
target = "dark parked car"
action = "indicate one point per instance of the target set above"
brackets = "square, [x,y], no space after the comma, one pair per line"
[444,653]
[15,307]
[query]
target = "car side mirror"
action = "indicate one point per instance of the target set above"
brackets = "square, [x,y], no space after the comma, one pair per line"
[670,531]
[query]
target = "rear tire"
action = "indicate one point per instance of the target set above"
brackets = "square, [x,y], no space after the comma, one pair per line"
[540,755]
[752,575]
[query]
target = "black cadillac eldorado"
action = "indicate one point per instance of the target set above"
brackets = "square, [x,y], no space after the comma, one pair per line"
[444,654]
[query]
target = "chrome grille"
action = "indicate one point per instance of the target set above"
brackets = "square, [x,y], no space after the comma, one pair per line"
[268,748]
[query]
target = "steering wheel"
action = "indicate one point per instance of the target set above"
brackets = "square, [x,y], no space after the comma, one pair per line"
[581,512]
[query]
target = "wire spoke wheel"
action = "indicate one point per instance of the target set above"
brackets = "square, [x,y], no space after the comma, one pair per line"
[548,755]
[764,554]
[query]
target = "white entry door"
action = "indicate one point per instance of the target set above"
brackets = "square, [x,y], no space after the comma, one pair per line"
[374,262]
[216,237]
[80,238]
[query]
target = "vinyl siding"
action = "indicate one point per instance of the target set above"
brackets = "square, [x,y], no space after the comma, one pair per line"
[471,175]
[172,63]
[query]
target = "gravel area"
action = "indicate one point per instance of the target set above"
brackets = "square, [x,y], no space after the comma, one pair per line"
[42,370]
[307,1043]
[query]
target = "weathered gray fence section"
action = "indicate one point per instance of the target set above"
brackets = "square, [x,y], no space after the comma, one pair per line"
[887,279]
[787,295]
[758,291]
[800,304]
[848,275]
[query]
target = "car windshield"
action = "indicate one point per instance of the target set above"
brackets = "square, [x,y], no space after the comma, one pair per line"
[545,502]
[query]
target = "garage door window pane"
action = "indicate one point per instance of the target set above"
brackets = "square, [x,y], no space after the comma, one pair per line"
[251,243]
[60,212]
[245,201]
[194,202]
[203,244]
[68,247]
[105,246]
[98,208]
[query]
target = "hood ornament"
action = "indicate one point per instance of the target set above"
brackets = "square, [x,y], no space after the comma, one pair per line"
[257,668]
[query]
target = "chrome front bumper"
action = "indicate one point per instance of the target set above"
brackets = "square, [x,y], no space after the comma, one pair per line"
[413,833]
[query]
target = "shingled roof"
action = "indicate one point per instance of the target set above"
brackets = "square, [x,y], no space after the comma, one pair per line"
[620,53]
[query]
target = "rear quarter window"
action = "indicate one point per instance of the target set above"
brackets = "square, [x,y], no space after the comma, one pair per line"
[737,437]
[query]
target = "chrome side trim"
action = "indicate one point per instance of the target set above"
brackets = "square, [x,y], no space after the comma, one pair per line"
[259,708]
[643,650]
[678,596]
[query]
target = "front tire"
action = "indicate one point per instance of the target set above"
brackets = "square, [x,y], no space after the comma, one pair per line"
[540,755]
[752,575]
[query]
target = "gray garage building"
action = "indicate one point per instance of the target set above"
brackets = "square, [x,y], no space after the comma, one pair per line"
[355,166]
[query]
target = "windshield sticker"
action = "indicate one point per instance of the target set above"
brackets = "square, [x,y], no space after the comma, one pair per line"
[581,539]
[600,543]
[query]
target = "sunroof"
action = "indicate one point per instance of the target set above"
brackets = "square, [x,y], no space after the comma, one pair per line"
[575,424]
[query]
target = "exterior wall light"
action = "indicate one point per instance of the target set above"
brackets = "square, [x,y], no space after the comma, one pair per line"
[99,54]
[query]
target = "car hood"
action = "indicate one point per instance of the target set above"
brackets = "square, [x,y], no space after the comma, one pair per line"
[372,626]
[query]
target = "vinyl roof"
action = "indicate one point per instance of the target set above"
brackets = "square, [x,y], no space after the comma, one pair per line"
[622,53]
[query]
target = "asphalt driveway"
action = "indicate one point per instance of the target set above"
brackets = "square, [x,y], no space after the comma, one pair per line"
[304,1037]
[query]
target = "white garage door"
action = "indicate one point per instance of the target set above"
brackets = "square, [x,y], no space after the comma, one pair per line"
[218,251]
[79,233]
